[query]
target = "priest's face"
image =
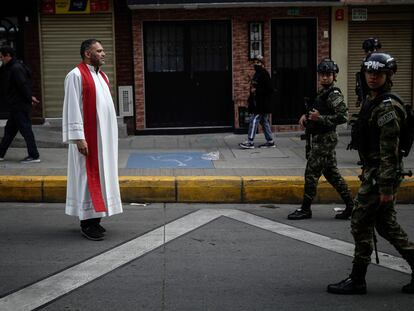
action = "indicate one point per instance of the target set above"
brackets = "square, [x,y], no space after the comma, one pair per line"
[96,55]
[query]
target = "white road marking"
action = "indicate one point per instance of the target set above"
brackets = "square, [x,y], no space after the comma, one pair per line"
[53,287]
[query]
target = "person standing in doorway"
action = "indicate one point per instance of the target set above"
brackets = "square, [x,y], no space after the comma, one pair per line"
[260,105]
[90,128]
[17,93]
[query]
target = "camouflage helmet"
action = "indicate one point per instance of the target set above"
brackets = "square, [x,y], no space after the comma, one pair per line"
[371,44]
[380,62]
[327,65]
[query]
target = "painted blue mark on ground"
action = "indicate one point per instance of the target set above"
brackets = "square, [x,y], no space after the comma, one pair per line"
[168,160]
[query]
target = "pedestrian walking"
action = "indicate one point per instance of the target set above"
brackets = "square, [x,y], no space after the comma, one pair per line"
[381,119]
[328,111]
[16,84]
[259,105]
[90,128]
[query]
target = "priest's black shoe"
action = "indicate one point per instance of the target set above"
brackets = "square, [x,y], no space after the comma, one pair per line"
[100,228]
[300,214]
[409,288]
[348,287]
[92,233]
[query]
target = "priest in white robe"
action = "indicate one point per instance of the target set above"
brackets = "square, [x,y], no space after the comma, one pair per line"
[90,128]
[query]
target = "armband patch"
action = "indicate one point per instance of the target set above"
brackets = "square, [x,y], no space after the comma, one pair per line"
[384,119]
[337,101]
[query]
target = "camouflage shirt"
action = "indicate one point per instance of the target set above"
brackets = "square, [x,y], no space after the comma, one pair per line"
[336,104]
[384,129]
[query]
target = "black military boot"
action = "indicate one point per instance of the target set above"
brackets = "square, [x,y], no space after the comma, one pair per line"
[354,284]
[346,213]
[302,213]
[409,288]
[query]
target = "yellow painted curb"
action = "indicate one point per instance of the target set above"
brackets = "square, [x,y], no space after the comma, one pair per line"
[21,188]
[272,189]
[54,189]
[223,189]
[208,189]
[147,188]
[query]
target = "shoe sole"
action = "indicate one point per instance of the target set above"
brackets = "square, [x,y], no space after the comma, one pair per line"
[28,162]
[299,218]
[346,293]
[265,147]
[244,147]
[91,238]
[342,218]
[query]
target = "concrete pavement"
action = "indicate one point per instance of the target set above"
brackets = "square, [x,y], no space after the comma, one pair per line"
[190,257]
[186,168]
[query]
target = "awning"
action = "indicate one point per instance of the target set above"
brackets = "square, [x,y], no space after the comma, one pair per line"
[202,4]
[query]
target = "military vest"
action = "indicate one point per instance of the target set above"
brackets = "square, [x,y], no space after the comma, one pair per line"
[322,106]
[369,132]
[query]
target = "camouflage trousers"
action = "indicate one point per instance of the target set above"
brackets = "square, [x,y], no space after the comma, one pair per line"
[322,160]
[367,215]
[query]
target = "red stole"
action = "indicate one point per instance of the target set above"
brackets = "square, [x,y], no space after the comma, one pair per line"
[91,136]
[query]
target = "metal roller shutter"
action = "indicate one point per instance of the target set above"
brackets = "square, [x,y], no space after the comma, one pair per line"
[61,37]
[397,39]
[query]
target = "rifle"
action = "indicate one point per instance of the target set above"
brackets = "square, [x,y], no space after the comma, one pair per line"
[308,135]
[361,87]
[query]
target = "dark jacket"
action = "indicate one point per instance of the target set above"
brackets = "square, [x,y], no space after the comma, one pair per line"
[263,94]
[16,86]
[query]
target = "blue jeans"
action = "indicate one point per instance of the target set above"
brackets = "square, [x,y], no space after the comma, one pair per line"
[263,119]
[19,121]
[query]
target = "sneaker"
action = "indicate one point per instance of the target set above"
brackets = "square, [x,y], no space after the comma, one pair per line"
[1,159]
[247,145]
[268,145]
[92,233]
[348,287]
[300,214]
[30,160]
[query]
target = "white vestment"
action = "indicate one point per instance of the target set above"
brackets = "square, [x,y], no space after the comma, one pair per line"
[78,199]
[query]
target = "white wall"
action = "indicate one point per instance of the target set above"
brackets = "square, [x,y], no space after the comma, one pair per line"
[339,48]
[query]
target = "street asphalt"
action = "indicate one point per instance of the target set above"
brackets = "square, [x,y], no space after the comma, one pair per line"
[220,257]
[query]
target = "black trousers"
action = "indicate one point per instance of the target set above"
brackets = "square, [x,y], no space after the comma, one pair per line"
[90,222]
[19,121]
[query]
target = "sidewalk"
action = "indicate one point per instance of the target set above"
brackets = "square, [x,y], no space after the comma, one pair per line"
[177,169]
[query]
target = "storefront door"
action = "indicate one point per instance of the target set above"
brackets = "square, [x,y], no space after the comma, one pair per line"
[293,67]
[188,74]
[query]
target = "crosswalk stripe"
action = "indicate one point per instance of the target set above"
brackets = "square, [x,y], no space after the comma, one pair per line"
[55,286]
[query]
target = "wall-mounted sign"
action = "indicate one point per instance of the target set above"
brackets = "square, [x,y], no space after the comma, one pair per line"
[293,11]
[74,6]
[339,15]
[359,14]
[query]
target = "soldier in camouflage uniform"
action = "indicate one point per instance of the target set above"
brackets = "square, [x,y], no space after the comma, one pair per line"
[381,121]
[328,111]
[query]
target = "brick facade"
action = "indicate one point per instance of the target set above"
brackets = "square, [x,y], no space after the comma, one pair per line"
[241,67]
[32,59]
[124,52]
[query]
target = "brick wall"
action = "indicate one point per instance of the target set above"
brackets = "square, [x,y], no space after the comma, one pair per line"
[124,52]
[241,66]
[123,48]
[31,50]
